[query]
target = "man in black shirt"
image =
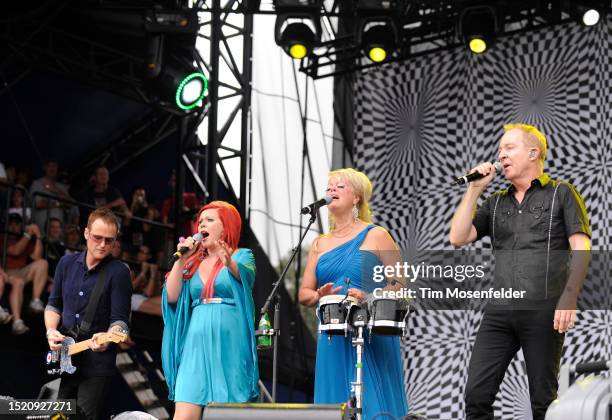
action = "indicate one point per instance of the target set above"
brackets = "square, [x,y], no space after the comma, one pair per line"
[530,223]
[75,279]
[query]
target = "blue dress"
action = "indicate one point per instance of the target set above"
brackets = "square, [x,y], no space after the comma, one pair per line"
[208,350]
[336,356]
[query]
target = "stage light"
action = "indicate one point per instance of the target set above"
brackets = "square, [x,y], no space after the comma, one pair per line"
[477,45]
[586,12]
[298,27]
[378,40]
[185,87]
[477,27]
[590,17]
[297,40]
[297,33]
[191,90]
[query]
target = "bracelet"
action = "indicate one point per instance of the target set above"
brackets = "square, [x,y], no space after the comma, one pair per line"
[49,330]
[27,235]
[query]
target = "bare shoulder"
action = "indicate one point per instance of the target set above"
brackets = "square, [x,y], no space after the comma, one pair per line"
[379,238]
[319,243]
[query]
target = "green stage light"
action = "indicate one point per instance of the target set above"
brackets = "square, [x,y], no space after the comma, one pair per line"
[191,90]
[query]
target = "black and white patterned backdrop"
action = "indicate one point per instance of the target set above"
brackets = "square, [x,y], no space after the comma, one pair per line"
[420,122]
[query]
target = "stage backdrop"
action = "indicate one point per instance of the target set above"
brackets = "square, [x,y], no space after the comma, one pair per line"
[420,122]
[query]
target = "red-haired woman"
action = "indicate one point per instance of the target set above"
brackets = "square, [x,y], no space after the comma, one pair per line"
[208,349]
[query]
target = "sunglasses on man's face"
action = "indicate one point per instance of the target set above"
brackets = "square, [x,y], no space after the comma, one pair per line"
[99,238]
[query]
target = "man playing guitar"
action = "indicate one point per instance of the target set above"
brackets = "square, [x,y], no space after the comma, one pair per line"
[74,283]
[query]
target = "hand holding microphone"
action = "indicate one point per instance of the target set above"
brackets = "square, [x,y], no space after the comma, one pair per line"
[187,247]
[481,175]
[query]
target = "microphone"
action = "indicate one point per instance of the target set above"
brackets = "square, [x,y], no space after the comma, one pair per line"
[197,238]
[316,205]
[474,175]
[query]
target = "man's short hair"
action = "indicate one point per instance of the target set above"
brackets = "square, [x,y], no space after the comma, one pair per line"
[533,135]
[106,215]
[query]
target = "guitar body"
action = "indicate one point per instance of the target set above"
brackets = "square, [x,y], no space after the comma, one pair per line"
[60,361]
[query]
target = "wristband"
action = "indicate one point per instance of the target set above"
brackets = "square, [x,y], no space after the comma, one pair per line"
[27,235]
[50,330]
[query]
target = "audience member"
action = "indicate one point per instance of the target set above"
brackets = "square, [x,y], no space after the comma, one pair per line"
[24,258]
[146,284]
[19,205]
[15,301]
[134,231]
[72,239]
[55,248]
[47,208]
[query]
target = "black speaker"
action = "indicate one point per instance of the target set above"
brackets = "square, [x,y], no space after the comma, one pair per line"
[276,411]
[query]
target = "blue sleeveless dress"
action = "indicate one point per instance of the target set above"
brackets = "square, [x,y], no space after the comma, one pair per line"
[208,350]
[336,356]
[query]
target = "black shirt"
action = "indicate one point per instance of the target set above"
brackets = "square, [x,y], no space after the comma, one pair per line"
[531,247]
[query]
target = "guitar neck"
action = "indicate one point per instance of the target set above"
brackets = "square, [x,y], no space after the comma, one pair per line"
[78,347]
[84,345]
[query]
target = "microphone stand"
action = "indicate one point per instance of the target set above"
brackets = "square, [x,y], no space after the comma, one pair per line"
[275,331]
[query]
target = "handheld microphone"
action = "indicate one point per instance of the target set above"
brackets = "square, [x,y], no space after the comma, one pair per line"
[197,238]
[474,175]
[316,205]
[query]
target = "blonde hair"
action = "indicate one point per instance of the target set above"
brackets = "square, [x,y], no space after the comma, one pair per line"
[362,188]
[532,134]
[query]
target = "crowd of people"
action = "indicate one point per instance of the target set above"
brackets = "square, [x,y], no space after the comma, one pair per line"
[41,221]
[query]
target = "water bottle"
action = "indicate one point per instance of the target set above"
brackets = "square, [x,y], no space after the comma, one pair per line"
[264,341]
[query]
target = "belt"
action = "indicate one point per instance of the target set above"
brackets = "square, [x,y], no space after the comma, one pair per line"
[227,301]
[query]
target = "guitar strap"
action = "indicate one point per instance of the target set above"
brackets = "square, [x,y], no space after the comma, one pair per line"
[92,306]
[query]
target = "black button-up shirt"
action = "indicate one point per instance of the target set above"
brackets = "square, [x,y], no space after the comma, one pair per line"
[73,284]
[530,239]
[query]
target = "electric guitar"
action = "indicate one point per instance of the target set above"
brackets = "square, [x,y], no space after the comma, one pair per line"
[60,361]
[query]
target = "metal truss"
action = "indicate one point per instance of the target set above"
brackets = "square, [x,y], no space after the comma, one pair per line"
[55,39]
[229,92]
[425,26]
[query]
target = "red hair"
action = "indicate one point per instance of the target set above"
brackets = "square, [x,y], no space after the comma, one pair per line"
[230,219]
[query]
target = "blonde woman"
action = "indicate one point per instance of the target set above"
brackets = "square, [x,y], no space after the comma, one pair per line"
[349,251]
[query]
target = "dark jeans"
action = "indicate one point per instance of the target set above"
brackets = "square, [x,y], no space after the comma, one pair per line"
[90,393]
[501,334]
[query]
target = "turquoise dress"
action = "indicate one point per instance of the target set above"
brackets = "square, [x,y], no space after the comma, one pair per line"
[336,356]
[208,349]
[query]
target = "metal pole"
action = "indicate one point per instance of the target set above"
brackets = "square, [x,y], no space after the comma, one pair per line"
[213,93]
[275,338]
[247,72]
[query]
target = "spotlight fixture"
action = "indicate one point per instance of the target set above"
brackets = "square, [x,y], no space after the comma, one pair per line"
[184,86]
[298,27]
[297,34]
[477,26]
[585,12]
[379,40]
[297,40]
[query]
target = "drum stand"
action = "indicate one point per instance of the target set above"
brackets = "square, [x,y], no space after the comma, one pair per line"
[357,386]
[359,321]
